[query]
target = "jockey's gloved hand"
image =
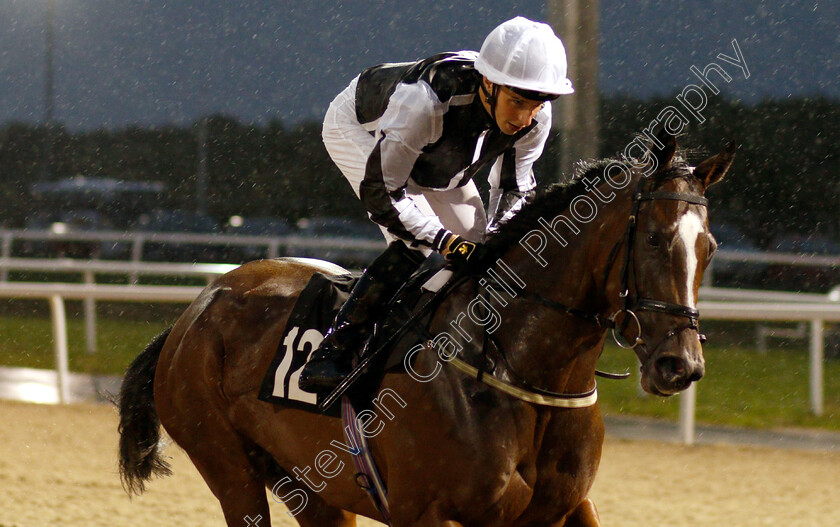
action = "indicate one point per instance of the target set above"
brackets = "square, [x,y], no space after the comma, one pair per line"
[463,254]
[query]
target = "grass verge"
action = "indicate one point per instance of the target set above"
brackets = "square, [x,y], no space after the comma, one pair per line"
[26,341]
[741,387]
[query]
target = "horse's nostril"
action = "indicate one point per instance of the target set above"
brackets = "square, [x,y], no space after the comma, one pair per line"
[697,375]
[671,369]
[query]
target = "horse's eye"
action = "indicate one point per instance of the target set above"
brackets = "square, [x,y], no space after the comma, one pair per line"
[713,246]
[653,239]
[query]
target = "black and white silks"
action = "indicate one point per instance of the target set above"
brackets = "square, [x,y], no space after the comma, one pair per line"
[432,128]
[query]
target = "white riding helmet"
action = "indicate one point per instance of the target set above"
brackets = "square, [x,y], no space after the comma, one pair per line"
[526,56]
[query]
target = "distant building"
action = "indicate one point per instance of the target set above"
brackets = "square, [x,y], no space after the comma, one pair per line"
[109,203]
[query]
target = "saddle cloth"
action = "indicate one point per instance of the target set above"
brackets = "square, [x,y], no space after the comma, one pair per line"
[311,317]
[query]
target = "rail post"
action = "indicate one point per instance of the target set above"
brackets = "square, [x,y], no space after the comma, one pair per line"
[90,316]
[816,366]
[136,256]
[5,252]
[688,400]
[59,327]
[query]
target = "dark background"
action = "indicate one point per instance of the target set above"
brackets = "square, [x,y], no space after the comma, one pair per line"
[134,78]
[154,62]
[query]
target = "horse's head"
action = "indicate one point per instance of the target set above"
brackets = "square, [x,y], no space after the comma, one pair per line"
[670,247]
[639,277]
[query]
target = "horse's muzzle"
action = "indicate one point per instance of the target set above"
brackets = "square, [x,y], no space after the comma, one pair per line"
[669,373]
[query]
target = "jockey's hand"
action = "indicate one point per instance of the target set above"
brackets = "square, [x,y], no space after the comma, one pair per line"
[464,254]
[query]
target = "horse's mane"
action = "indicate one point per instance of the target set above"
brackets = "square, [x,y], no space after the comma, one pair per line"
[556,198]
[547,204]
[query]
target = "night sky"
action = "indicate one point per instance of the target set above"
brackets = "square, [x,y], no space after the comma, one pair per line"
[156,62]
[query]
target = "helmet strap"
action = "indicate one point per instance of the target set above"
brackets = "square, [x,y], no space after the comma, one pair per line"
[491,98]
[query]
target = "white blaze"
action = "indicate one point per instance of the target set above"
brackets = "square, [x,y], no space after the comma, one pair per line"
[689,228]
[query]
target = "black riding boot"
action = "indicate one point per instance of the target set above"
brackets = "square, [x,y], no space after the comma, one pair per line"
[333,360]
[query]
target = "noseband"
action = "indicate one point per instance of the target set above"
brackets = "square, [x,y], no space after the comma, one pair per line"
[631,304]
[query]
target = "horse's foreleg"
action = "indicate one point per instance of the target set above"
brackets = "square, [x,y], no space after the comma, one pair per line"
[585,515]
[316,513]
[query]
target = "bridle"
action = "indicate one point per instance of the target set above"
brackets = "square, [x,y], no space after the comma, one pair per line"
[520,387]
[630,303]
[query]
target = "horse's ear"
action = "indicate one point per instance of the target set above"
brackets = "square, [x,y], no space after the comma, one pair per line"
[665,155]
[713,169]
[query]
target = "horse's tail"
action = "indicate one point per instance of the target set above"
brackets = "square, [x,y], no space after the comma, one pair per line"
[139,428]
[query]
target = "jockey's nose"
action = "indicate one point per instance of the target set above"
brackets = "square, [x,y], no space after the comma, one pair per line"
[525,116]
[521,120]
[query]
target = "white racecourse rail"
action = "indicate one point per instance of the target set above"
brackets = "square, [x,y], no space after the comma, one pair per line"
[718,304]
[138,240]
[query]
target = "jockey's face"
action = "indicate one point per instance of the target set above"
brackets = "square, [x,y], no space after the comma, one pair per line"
[513,112]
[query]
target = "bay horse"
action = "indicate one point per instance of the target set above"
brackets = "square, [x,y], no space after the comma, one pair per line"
[623,246]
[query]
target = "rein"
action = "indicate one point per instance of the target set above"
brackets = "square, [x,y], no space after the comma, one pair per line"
[558,400]
[629,306]
[524,390]
[529,393]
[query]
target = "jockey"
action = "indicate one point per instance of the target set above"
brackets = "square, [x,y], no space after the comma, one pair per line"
[409,137]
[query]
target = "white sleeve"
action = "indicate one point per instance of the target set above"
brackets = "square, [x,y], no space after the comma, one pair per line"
[412,120]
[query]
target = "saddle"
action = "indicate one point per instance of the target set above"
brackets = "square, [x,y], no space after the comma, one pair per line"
[315,311]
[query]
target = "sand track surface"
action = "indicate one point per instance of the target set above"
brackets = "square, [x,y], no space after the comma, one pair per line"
[58,466]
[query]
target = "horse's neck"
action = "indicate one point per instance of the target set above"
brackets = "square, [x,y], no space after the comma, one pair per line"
[550,344]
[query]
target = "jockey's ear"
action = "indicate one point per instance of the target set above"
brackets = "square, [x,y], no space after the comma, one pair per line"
[713,169]
[488,92]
